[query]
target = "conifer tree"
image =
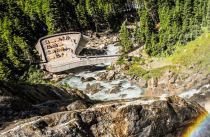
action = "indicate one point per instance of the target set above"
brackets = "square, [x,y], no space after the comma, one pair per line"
[208,16]
[125,38]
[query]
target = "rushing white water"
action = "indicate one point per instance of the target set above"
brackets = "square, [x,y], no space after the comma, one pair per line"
[125,88]
[112,49]
[191,92]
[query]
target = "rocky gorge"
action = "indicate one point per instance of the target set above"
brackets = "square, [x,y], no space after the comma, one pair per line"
[106,102]
[99,83]
[104,68]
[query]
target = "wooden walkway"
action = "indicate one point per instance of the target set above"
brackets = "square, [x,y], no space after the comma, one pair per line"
[60,52]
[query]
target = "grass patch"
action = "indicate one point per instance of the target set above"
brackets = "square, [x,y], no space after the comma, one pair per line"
[136,70]
[121,60]
[196,52]
[157,72]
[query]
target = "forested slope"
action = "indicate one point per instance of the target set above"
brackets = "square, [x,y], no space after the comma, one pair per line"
[163,24]
[23,22]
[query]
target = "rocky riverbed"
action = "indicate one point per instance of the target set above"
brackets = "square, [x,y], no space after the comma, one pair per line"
[98,109]
[101,84]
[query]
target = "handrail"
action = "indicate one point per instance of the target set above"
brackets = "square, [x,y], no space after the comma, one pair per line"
[98,56]
[79,61]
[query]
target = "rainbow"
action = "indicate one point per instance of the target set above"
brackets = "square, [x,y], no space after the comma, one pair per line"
[199,128]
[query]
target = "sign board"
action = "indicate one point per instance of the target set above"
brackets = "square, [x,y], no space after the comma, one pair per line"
[60,46]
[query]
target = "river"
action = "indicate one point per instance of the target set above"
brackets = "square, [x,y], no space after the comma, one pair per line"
[125,88]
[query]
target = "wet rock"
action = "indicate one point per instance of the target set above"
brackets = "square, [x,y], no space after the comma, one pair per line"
[94,88]
[114,90]
[205,89]
[153,82]
[110,75]
[88,79]
[157,118]
[57,78]
[79,104]
[123,95]
[142,83]
[102,46]
[101,76]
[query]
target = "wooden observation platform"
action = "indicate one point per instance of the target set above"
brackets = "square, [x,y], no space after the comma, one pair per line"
[60,52]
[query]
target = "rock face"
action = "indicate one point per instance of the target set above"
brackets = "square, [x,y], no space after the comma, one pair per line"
[22,101]
[79,104]
[173,84]
[143,117]
[169,82]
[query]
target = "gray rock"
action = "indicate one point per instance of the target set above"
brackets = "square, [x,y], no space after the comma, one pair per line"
[59,77]
[114,89]
[110,75]
[101,76]
[153,82]
[88,79]
[94,88]
[142,83]
[79,104]
[173,79]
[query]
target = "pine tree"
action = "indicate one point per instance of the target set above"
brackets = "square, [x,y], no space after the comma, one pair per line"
[81,14]
[5,72]
[208,16]
[124,38]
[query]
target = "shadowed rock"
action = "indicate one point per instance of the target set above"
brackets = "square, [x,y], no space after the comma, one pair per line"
[24,100]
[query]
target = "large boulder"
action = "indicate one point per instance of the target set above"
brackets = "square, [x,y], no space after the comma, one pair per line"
[76,105]
[88,79]
[143,117]
[94,88]
[114,90]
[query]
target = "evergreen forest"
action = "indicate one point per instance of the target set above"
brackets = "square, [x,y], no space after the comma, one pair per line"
[163,25]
